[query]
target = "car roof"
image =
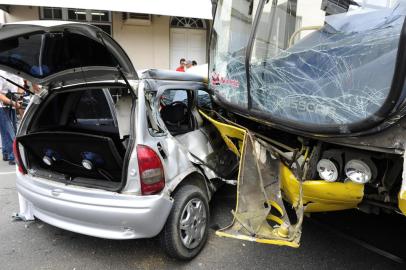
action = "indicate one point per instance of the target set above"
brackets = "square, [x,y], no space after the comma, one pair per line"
[170,75]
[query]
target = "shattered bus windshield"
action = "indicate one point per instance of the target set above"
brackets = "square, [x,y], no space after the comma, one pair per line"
[306,69]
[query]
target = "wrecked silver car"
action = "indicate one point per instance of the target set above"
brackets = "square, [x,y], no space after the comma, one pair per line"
[144,164]
[320,102]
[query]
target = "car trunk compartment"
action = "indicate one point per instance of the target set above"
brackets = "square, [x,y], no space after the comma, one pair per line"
[74,138]
[66,152]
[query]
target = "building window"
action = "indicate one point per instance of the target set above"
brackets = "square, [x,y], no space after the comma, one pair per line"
[77,14]
[51,13]
[184,22]
[99,18]
[136,16]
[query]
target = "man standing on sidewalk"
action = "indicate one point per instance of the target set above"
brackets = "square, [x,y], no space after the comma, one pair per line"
[8,108]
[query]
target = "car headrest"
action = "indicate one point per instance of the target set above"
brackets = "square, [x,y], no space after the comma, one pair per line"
[174,113]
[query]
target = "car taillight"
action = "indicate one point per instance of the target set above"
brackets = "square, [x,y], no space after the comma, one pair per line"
[17,157]
[151,170]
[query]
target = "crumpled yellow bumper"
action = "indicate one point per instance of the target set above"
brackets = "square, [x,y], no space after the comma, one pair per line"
[318,195]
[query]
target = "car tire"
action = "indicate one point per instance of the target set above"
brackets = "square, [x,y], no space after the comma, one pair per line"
[184,234]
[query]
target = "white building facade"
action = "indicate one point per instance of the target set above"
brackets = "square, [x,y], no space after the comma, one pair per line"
[154,33]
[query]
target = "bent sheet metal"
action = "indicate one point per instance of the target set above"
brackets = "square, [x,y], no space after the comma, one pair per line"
[260,214]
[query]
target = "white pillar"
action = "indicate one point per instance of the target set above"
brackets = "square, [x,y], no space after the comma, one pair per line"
[2,16]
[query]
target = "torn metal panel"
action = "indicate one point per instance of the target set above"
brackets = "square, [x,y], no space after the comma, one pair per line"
[260,214]
[198,147]
[228,133]
[197,143]
[207,149]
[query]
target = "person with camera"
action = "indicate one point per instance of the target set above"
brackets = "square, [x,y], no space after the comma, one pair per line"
[9,103]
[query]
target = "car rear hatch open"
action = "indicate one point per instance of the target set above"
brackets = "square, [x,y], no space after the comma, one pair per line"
[73,135]
[61,53]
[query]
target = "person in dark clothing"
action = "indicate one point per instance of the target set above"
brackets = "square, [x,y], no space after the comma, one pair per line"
[8,108]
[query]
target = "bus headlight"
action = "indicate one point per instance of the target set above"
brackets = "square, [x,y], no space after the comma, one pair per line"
[327,170]
[358,171]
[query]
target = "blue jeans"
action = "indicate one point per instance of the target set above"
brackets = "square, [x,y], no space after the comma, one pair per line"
[7,131]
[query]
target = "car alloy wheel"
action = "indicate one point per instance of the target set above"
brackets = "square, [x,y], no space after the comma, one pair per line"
[192,224]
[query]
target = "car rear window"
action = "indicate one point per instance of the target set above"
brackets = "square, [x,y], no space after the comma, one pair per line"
[43,54]
[92,105]
[87,109]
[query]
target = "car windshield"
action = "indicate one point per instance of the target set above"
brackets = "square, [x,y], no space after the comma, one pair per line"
[312,63]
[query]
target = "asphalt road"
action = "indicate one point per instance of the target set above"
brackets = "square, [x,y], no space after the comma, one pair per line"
[36,245]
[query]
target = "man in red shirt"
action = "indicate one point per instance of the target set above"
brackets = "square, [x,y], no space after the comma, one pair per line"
[182,63]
